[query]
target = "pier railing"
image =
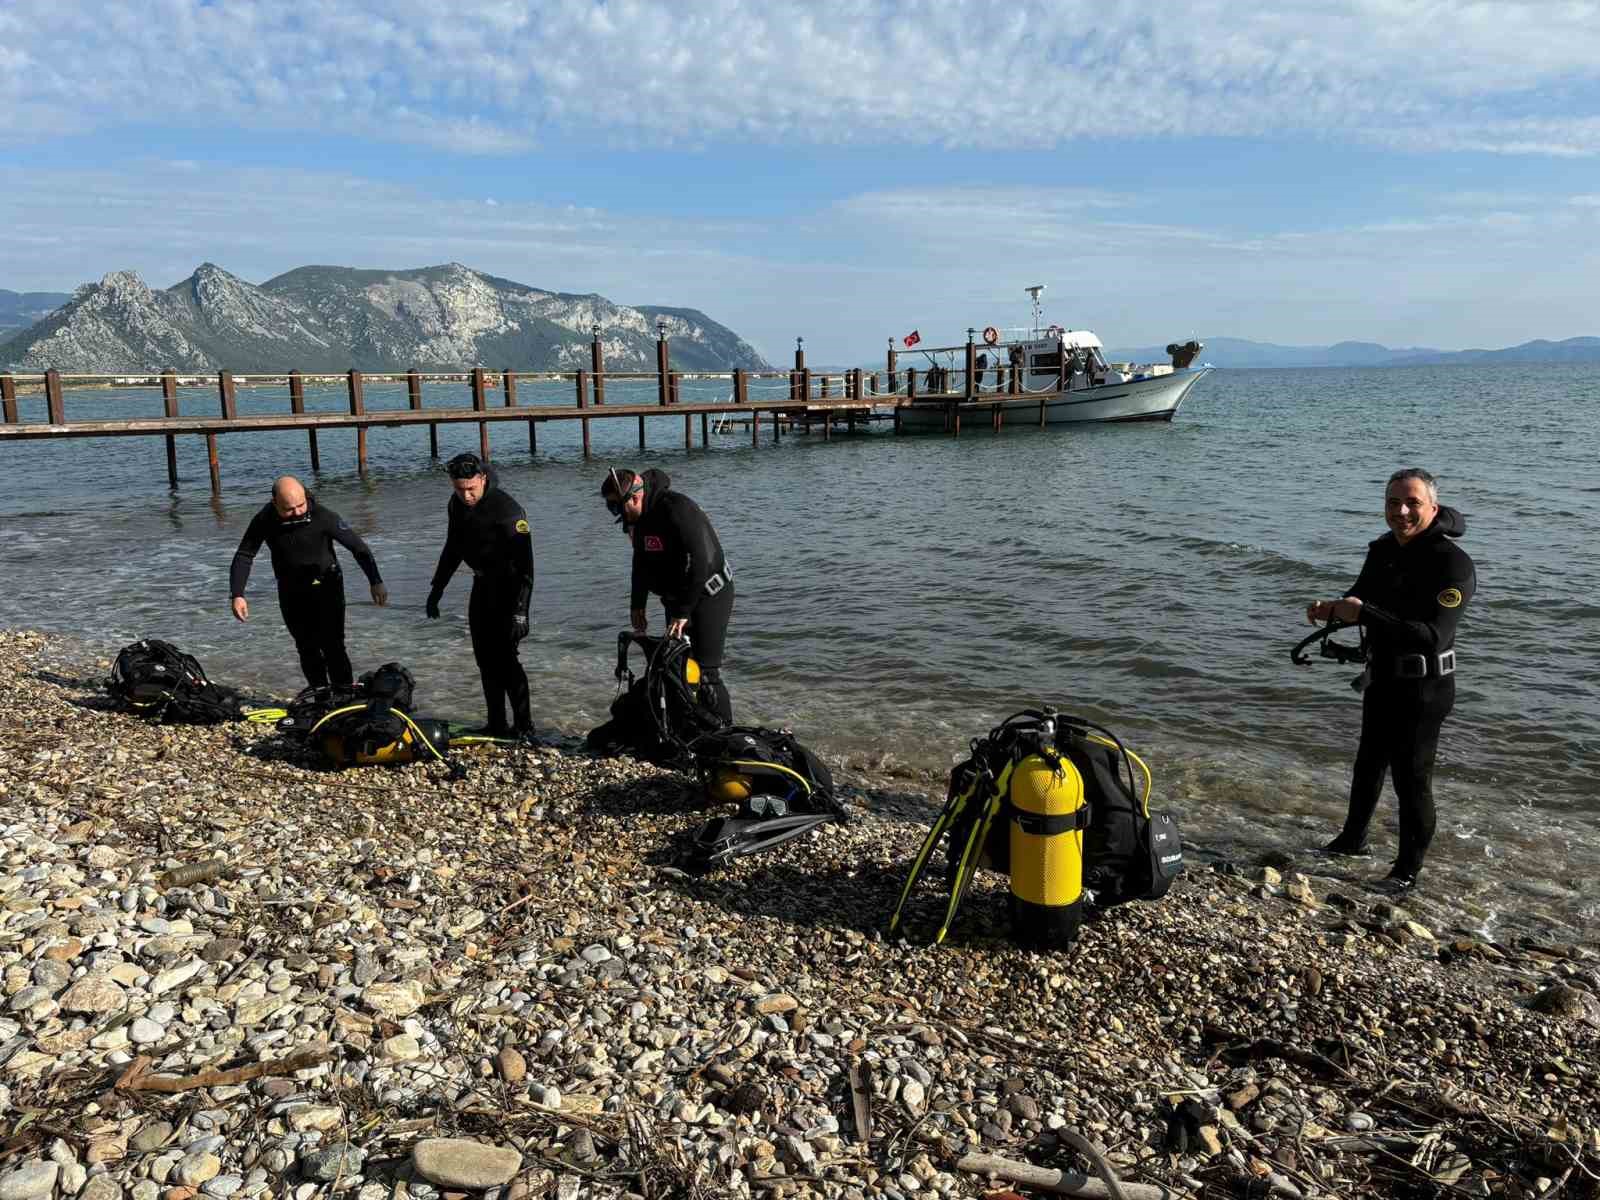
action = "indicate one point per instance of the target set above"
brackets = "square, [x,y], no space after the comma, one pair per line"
[794,398]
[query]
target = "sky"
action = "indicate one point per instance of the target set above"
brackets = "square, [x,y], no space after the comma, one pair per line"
[1410,172]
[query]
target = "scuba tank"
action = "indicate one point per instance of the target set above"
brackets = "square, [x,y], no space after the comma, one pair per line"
[1048,817]
[358,737]
[1028,801]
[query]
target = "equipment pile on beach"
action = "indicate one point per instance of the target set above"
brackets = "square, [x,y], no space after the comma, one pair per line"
[251,973]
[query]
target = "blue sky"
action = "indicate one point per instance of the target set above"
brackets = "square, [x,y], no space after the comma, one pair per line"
[1418,173]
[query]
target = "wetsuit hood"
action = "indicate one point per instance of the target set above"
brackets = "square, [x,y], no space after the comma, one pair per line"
[657,483]
[1447,522]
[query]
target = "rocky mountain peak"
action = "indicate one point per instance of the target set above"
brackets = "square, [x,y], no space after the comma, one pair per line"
[334,318]
[124,286]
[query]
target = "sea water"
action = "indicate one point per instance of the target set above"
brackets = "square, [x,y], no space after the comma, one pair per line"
[898,596]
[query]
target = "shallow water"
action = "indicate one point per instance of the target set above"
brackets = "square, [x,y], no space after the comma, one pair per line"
[899,596]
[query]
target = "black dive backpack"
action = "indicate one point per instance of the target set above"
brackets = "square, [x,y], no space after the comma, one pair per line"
[660,714]
[157,680]
[740,762]
[372,723]
[1129,853]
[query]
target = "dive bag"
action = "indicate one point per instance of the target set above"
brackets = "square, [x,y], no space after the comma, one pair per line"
[782,789]
[157,680]
[659,713]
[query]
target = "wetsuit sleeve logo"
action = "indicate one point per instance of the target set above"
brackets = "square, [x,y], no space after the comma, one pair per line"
[1450,598]
[522,527]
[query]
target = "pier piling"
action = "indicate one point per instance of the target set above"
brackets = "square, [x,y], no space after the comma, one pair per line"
[358,407]
[297,405]
[480,403]
[169,407]
[414,403]
[581,384]
[54,404]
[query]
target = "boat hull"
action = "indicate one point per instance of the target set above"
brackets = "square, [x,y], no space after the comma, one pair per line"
[1157,398]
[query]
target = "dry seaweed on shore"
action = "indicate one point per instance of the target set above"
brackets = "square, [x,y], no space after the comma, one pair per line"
[397,984]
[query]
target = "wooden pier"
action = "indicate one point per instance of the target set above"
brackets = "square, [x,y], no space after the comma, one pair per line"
[820,400]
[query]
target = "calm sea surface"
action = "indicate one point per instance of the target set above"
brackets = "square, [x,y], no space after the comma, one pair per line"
[897,596]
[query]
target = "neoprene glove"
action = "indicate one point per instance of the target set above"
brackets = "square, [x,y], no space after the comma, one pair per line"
[519,627]
[433,604]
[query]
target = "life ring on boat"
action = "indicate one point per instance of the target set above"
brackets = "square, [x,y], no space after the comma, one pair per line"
[991,335]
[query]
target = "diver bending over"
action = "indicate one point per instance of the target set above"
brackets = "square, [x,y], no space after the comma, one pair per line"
[300,534]
[677,556]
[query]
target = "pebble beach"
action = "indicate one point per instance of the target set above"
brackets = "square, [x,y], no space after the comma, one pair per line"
[230,972]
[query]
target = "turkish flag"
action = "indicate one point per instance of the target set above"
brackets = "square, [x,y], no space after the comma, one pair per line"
[912,338]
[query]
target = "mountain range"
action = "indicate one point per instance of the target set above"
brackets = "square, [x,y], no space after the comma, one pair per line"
[18,310]
[337,318]
[1237,352]
[322,318]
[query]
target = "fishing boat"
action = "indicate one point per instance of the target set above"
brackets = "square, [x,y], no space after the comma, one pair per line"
[1042,375]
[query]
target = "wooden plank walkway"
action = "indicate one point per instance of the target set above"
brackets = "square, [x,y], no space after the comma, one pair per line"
[394,418]
[821,399]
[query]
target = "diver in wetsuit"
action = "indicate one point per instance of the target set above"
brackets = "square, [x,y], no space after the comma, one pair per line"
[1408,600]
[489,532]
[300,534]
[677,556]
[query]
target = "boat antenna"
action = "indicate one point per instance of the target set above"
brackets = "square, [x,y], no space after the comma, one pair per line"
[1037,307]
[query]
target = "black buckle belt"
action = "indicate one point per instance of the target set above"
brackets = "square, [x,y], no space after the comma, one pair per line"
[1423,666]
[719,580]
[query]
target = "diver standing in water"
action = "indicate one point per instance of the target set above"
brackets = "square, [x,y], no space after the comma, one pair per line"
[676,555]
[1408,601]
[489,532]
[300,535]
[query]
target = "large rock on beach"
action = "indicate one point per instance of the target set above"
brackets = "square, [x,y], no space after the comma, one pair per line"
[459,1163]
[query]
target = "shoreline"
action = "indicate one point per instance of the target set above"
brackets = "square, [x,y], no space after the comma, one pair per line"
[512,958]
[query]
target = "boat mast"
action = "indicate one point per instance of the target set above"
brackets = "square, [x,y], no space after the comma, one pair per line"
[1038,308]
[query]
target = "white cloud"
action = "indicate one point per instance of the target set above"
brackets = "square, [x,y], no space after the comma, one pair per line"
[498,76]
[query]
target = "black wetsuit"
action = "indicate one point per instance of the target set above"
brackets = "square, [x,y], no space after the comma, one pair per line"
[677,556]
[492,538]
[1412,597]
[310,583]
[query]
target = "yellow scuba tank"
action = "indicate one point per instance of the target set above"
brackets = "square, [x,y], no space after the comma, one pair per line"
[1048,817]
[362,740]
[727,785]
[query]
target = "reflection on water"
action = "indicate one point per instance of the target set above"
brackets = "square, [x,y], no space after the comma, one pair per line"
[897,596]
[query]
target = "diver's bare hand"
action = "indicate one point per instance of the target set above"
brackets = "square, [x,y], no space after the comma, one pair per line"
[241,609]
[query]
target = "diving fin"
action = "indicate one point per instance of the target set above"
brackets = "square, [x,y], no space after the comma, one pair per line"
[722,839]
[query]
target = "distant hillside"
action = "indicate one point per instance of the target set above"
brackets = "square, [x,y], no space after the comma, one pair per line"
[1237,352]
[335,318]
[18,310]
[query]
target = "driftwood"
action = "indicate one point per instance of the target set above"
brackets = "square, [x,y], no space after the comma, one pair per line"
[138,1079]
[861,1098]
[1062,1183]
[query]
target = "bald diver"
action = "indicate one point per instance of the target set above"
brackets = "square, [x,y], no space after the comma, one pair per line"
[300,534]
